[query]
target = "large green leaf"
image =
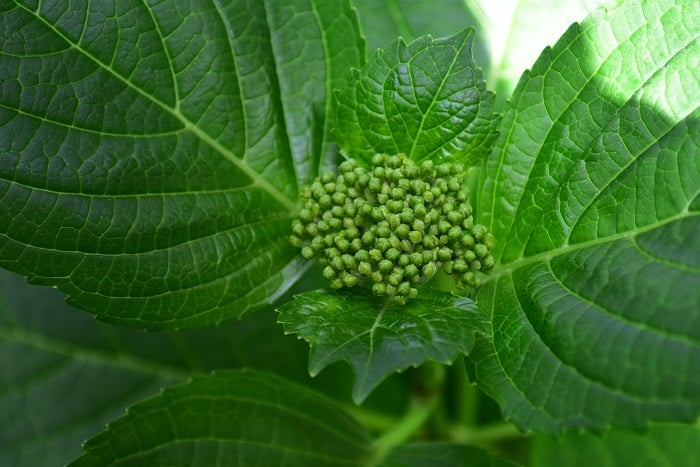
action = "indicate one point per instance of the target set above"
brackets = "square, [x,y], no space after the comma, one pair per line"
[593,195]
[64,375]
[426,100]
[379,339]
[667,445]
[231,418]
[150,155]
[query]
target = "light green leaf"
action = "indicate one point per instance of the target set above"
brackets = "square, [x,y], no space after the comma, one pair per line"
[667,445]
[150,156]
[593,195]
[375,339]
[383,21]
[426,100]
[64,375]
[441,455]
[231,418]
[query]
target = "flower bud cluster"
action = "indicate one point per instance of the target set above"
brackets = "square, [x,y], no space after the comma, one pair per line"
[395,225]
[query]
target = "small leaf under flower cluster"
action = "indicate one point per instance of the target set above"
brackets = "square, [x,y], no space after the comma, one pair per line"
[395,225]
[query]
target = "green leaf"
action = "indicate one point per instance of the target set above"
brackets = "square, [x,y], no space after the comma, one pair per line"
[232,417]
[593,195]
[667,445]
[375,339]
[383,21]
[150,156]
[426,100]
[64,375]
[441,455]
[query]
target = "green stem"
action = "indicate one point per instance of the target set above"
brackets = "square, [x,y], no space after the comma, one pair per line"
[373,420]
[485,434]
[466,395]
[416,417]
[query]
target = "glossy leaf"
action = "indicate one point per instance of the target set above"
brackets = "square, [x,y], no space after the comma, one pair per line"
[593,195]
[426,100]
[441,455]
[378,340]
[667,445]
[231,418]
[150,155]
[64,375]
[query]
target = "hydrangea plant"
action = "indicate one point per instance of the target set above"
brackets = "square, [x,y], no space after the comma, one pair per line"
[499,246]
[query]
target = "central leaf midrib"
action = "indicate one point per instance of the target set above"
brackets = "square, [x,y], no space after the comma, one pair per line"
[545,256]
[458,50]
[188,124]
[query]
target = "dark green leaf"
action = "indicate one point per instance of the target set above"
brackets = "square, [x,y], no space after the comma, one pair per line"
[426,100]
[594,197]
[64,375]
[667,445]
[231,418]
[441,455]
[378,340]
[150,156]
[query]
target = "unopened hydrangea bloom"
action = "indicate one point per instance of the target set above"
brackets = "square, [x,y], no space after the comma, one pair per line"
[393,225]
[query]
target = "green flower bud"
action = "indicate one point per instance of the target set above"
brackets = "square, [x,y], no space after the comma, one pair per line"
[337,283]
[307,252]
[337,263]
[478,231]
[406,216]
[350,280]
[338,198]
[338,211]
[480,250]
[402,231]
[454,234]
[375,255]
[489,240]
[364,268]
[379,289]
[394,162]
[444,254]
[392,254]
[347,166]
[349,261]
[416,258]
[395,279]
[488,263]
[329,273]
[325,201]
[342,243]
[404,289]
[415,236]
[429,271]
[335,223]
[394,206]
[411,270]
[385,266]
